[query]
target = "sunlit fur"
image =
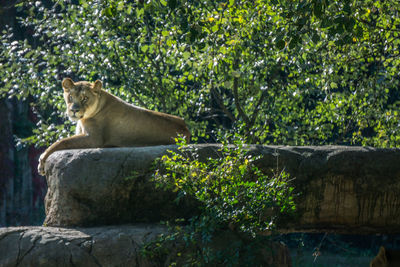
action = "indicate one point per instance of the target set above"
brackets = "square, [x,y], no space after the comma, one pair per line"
[104,120]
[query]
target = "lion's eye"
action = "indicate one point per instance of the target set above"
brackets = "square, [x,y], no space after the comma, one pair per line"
[84,99]
[70,98]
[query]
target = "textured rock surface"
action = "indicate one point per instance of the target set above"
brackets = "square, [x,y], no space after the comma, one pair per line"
[107,186]
[50,246]
[98,246]
[343,189]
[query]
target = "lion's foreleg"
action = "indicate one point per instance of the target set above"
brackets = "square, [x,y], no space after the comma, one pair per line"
[76,141]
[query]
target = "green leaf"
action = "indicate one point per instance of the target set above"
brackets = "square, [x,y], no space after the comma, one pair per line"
[186,55]
[144,48]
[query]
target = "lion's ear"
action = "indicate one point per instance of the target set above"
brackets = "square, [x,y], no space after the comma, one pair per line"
[68,84]
[97,86]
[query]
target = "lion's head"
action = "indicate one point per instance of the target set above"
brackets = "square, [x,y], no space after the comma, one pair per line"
[82,98]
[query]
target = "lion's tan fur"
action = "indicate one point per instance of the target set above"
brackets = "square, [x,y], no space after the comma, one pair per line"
[105,120]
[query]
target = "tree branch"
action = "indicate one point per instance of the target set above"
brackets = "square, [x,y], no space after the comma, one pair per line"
[218,98]
[257,108]
[241,112]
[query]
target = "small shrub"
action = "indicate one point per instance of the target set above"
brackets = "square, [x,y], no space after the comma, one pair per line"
[236,196]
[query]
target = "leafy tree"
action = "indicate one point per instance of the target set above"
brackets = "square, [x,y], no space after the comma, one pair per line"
[283,72]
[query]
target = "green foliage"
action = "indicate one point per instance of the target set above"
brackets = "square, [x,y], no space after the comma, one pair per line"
[293,72]
[233,194]
[231,187]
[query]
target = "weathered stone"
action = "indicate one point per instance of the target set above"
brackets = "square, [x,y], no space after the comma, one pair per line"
[51,246]
[99,246]
[107,186]
[342,189]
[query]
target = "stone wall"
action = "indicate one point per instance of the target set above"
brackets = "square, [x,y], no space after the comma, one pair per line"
[100,246]
[341,189]
[104,246]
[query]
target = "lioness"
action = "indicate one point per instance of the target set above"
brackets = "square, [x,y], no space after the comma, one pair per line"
[105,120]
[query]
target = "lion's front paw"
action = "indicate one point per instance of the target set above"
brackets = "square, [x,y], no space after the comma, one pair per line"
[41,165]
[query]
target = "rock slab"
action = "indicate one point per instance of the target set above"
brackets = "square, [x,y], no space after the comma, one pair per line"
[341,189]
[111,246]
[111,186]
[53,246]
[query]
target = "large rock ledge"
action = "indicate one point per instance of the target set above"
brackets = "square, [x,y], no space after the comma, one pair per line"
[105,246]
[342,189]
[98,246]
